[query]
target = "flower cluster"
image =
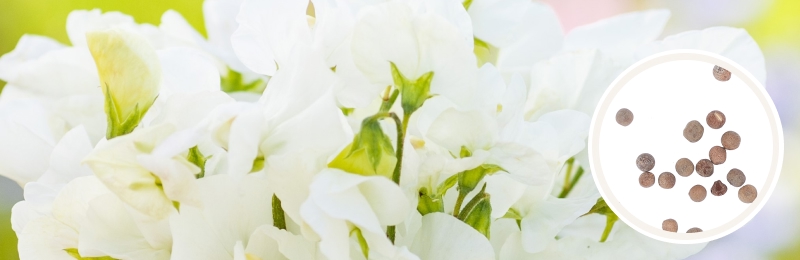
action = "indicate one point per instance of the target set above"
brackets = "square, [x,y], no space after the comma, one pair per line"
[329,129]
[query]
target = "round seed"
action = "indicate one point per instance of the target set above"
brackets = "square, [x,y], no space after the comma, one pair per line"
[736,177]
[697,193]
[731,140]
[719,188]
[704,168]
[670,225]
[645,162]
[646,179]
[624,117]
[747,193]
[717,155]
[715,119]
[666,180]
[721,74]
[684,167]
[693,131]
[694,230]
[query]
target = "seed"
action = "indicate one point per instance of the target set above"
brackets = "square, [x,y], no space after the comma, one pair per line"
[694,230]
[704,168]
[693,131]
[666,180]
[697,193]
[646,179]
[715,119]
[645,162]
[731,140]
[670,225]
[717,155]
[736,177]
[624,117]
[684,167]
[719,188]
[721,74]
[747,193]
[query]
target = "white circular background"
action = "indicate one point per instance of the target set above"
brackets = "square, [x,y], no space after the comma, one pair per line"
[666,91]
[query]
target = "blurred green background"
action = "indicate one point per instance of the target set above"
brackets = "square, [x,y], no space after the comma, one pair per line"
[775,24]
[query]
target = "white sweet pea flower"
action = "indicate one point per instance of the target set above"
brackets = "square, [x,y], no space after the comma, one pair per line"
[146,171]
[28,139]
[342,205]
[514,34]
[442,236]
[417,44]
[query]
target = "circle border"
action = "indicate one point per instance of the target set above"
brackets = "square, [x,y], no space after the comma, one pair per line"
[707,235]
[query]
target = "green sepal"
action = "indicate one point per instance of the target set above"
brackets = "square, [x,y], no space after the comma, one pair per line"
[484,52]
[73,252]
[117,125]
[469,179]
[177,205]
[413,92]
[234,82]
[446,185]
[197,158]
[258,164]
[370,153]
[480,217]
[429,203]
[466,4]
[600,207]
[361,241]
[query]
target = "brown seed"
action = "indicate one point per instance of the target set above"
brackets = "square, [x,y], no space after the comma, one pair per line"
[684,167]
[646,179]
[670,225]
[721,74]
[645,162]
[715,119]
[694,230]
[697,193]
[717,155]
[624,117]
[731,140]
[704,168]
[666,180]
[747,193]
[693,131]
[719,188]
[736,177]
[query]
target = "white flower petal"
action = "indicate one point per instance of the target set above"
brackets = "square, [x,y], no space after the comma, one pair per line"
[442,236]
[29,48]
[619,34]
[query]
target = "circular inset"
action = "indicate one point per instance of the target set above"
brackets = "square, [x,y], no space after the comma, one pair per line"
[669,225]
[645,162]
[666,180]
[697,193]
[684,167]
[715,119]
[693,131]
[668,91]
[694,230]
[718,188]
[721,74]
[748,193]
[624,117]
[717,155]
[704,168]
[647,179]
[731,140]
[736,177]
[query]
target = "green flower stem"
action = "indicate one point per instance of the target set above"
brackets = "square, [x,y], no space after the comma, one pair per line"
[388,102]
[459,201]
[610,220]
[402,127]
[278,216]
[471,204]
[566,190]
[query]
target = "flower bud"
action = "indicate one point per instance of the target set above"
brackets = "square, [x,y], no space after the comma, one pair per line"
[130,76]
[429,203]
[480,217]
[371,152]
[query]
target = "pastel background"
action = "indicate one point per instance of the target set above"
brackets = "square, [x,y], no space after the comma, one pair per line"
[775,24]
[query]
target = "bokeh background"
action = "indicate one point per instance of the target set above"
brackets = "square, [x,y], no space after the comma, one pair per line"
[775,24]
